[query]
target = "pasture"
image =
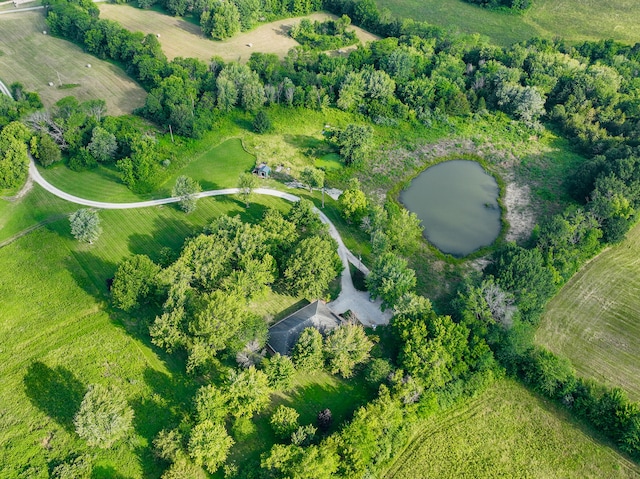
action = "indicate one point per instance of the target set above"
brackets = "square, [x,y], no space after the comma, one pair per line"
[58,335]
[181,38]
[34,59]
[595,318]
[573,20]
[507,432]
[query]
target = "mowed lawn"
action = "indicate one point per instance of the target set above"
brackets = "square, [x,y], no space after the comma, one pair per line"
[217,167]
[58,335]
[34,59]
[507,432]
[573,20]
[595,318]
[181,38]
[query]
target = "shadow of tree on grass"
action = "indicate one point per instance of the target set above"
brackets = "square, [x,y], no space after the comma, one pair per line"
[55,391]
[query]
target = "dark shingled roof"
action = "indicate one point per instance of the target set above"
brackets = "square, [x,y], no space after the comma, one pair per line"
[284,334]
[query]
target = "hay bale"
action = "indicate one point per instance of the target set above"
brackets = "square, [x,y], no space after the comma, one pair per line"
[50,83]
[88,65]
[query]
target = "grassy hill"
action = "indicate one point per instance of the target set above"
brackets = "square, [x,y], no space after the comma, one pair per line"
[574,20]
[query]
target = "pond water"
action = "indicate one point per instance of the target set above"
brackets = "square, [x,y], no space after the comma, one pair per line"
[457,202]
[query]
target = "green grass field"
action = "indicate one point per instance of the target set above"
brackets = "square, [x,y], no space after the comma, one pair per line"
[507,432]
[34,60]
[574,20]
[595,318]
[58,335]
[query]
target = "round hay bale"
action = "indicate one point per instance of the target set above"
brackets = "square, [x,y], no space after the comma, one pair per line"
[158,35]
[50,83]
[88,65]
[44,32]
[249,45]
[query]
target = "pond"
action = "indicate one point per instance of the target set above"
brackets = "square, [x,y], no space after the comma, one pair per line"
[457,202]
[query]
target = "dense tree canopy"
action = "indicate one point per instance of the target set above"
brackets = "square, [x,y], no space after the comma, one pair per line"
[14,163]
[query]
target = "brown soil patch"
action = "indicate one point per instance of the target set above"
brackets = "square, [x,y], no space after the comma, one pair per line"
[180,38]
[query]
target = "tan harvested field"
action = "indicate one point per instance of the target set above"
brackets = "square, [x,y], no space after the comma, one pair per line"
[180,38]
[595,318]
[33,59]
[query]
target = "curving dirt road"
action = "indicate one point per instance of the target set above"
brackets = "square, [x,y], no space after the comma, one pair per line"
[358,302]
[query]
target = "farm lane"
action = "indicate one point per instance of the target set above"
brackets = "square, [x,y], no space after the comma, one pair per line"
[349,299]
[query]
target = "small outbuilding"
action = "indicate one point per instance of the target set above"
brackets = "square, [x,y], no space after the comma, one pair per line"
[284,334]
[262,170]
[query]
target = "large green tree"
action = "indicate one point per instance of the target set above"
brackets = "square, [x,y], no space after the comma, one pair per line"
[307,354]
[248,392]
[104,416]
[133,281]
[354,142]
[390,279]
[432,347]
[353,202]
[103,145]
[85,225]
[312,266]
[346,347]
[14,163]
[186,189]
[221,20]
[209,445]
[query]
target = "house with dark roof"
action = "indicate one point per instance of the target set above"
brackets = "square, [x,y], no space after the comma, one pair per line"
[284,334]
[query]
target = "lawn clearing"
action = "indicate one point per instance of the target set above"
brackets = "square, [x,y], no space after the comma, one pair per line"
[573,20]
[34,60]
[330,161]
[311,393]
[595,318]
[507,432]
[181,38]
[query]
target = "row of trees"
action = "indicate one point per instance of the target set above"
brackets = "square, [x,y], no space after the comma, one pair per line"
[88,138]
[509,4]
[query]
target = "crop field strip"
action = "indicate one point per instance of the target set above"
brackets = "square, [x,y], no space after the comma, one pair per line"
[595,318]
[507,432]
[180,38]
[31,58]
[573,20]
